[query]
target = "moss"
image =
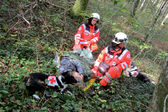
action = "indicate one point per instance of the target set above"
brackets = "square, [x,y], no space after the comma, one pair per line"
[79,8]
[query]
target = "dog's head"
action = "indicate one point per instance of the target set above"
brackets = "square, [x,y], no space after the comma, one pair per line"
[132,70]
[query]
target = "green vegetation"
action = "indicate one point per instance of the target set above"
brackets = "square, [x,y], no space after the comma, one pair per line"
[31,30]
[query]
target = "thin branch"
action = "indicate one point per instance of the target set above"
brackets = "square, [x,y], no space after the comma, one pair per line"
[138,54]
[14,25]
[22,16]
[37,55]
[54,5]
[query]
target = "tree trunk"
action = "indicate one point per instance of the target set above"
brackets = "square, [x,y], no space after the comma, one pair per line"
[134,7]
[155,19]
[142,5]
[79,7]
[160,101]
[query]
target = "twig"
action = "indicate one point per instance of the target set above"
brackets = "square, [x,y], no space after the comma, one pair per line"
[138,54]
[22,16]
[37,56]
[54,5]
[14,25]
[42,98]
[45,102]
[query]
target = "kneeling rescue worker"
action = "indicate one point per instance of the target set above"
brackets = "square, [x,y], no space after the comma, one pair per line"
[88,34]
[112,60]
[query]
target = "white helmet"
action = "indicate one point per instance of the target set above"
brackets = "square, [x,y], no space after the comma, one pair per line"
[120,37]
[95,15]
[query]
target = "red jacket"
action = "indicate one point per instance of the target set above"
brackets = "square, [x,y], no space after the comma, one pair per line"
[86,36]
[116,62]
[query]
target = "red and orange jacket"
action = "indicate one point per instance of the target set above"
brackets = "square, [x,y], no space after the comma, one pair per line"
[116,60]
[86,36]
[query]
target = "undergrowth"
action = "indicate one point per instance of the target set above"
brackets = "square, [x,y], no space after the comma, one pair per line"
[26,48]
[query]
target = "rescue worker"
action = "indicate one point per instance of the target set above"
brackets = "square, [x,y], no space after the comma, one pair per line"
[88,34]
[112,60]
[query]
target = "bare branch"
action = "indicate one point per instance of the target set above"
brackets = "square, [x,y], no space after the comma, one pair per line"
[54,4]
[14,25]
[22,16]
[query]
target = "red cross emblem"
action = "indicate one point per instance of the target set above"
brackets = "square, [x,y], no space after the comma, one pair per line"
[52,80]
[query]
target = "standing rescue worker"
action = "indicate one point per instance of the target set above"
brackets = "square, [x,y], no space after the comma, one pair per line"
[88,34]
[112,60]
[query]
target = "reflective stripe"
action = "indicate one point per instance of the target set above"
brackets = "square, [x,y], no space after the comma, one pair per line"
[81,39]
[97,30]
[106,50]
[108,76]
[95,39]
[123,53]
[111,56]
[85,28]
[107,79]
[77,36]
[83,42]
[86,31]
[97,63]
[124,67]
[116,56]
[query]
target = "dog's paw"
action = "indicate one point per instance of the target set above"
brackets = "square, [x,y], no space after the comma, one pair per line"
[36,97]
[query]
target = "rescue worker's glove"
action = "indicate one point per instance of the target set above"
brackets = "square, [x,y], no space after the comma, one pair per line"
[77,38]
[96,74]
[77,42]
[103,82]
[94,70]
[113,72]
[76,47]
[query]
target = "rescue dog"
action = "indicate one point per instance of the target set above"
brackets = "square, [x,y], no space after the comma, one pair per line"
[133,71]
[40,82]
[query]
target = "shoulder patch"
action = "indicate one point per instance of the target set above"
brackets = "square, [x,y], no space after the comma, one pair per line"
[80,28]
[128,56]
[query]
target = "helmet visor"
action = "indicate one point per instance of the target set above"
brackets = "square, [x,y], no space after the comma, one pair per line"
[125,40]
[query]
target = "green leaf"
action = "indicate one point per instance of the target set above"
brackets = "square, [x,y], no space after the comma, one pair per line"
[2,103]
[4,91]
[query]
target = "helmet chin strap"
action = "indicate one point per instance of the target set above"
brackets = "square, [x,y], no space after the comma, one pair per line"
[114,45]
